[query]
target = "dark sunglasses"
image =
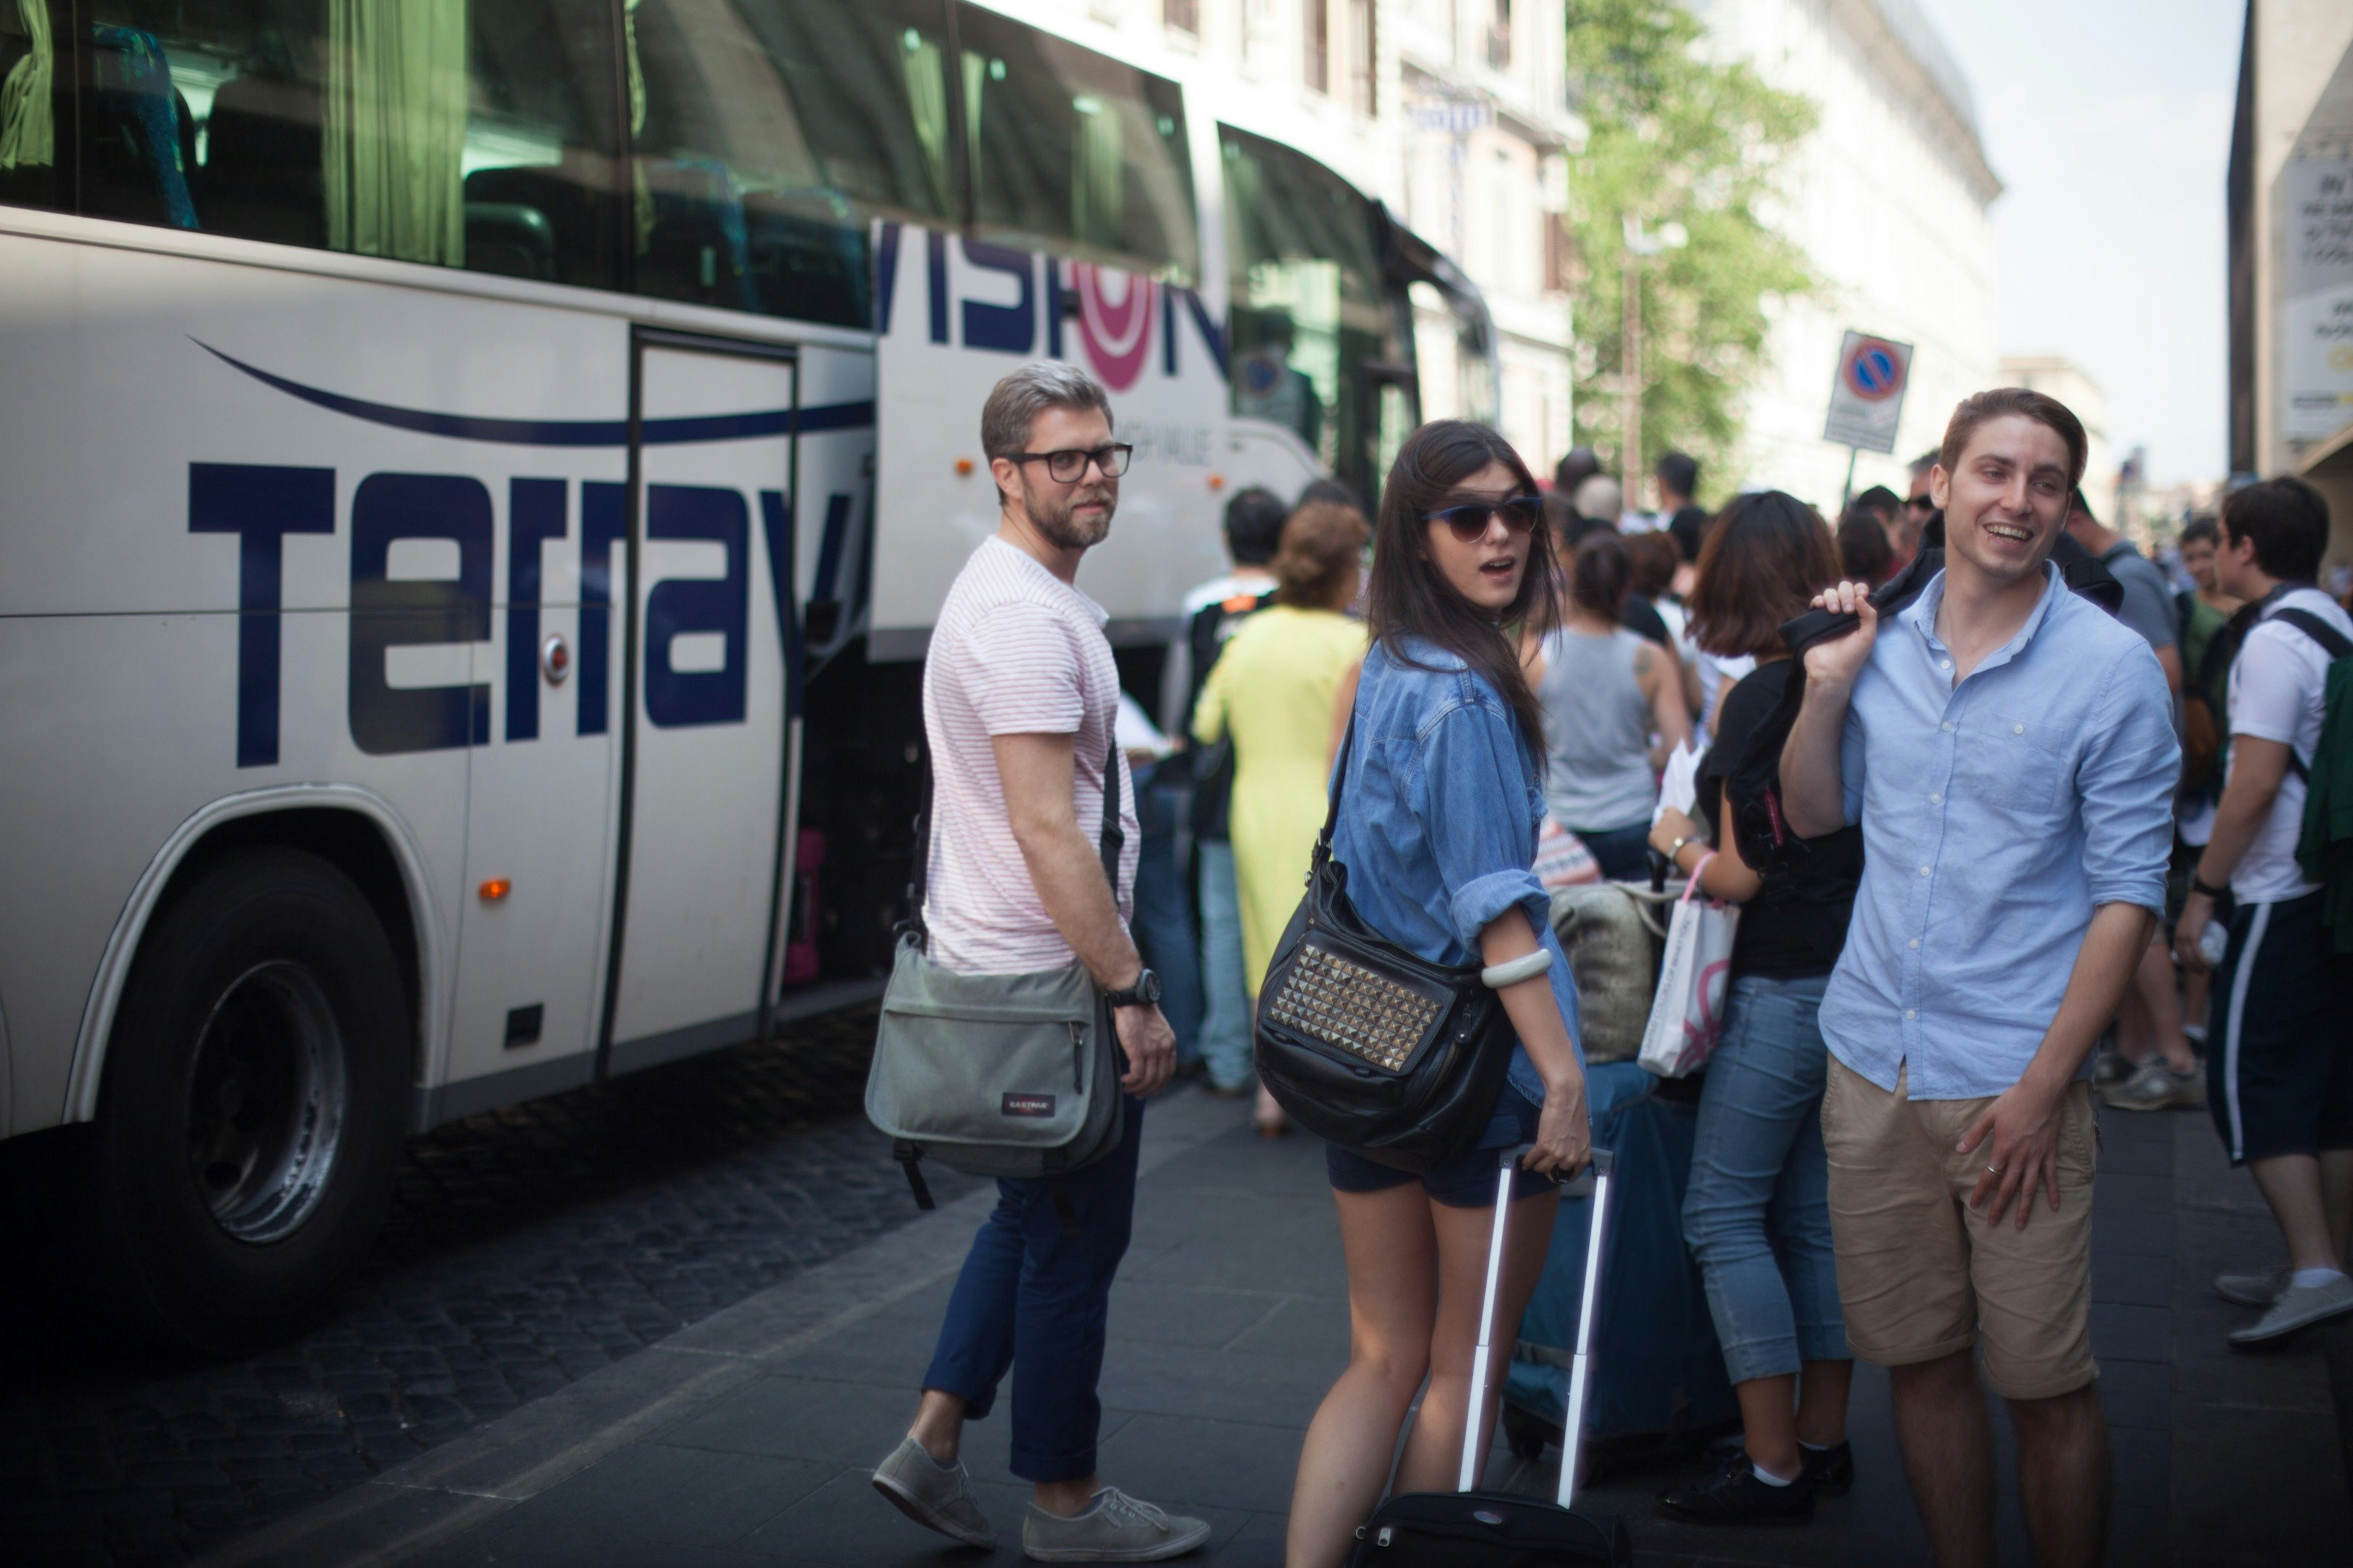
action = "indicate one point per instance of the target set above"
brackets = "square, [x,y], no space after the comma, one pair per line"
[1068,463]
[1520,515]
[1921,503]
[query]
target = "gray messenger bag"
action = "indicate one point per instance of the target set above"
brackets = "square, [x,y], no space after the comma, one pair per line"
[998,1075]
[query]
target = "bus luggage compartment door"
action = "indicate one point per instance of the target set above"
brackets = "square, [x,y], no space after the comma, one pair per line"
[706,835]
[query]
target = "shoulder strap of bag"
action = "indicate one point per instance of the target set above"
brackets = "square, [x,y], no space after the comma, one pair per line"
[919,875]
[2332,642]
[1114,839]
[1339,781]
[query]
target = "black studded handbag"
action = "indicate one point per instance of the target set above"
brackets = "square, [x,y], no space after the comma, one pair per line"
[1369,1045]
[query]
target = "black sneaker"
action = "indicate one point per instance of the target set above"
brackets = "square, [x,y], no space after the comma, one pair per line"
[1830,1471]
[1731,1494]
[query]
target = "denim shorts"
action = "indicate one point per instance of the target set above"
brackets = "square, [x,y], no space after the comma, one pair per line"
[1470,1182]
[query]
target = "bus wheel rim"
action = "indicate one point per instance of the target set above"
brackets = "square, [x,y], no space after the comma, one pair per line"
[266,1101]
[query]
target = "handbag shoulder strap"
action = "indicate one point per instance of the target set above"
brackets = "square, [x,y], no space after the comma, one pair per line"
[1339,781]
[1112,839]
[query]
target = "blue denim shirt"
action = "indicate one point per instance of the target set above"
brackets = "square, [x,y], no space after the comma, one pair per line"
[1995,816]
[1439,813]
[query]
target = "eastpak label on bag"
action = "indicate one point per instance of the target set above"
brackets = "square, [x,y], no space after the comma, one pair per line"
[1028,1105]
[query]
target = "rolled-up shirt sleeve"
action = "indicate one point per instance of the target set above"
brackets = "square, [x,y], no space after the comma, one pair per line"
[1474,794]
[2126,778]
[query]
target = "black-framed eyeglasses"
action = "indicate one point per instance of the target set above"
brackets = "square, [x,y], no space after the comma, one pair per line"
[1071,462]
[1520,515]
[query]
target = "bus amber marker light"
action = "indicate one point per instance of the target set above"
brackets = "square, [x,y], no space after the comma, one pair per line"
[496,889]
[964,466]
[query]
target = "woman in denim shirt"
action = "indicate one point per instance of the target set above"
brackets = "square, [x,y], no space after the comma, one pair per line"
[1441,795]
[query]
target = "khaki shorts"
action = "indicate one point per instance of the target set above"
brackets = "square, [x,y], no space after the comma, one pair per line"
[1922,1275]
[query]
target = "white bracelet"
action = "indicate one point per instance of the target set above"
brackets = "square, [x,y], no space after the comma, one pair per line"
[1513,970]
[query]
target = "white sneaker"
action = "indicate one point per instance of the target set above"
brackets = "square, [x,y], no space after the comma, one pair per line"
[1112,1528]
[2299,1306]
[2252,1289]
[935,1496]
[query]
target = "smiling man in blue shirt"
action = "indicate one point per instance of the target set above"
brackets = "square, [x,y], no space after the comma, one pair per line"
[2009,752]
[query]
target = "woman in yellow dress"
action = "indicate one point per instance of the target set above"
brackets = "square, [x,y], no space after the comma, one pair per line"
[1274,689]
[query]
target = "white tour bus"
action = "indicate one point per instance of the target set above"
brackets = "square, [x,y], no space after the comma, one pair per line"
[476,477]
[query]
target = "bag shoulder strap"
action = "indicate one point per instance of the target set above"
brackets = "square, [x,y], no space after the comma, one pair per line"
[2332,642]
[1339,783]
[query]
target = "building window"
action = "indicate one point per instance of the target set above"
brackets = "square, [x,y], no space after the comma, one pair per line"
[1499,36]
[1319,44]
[1364,60]
[1185,16]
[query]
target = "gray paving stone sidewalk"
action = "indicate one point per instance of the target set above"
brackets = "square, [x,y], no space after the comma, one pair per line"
[748,1439]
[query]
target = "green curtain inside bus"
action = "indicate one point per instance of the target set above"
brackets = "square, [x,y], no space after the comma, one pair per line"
[928,101]
[1098,173]
[395,129]
[29,131]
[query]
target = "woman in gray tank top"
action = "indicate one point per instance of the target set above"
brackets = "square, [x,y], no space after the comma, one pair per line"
[1606,692]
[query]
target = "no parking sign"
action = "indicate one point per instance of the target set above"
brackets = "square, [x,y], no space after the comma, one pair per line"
[1867,399]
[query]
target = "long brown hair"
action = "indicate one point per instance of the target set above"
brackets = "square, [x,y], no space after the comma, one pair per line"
[1408,598]
[1766,557]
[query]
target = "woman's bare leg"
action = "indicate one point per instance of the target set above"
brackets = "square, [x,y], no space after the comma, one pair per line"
[1433,1454]
[1392,1302]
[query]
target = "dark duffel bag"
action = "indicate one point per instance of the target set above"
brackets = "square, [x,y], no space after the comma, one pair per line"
[1469,1529]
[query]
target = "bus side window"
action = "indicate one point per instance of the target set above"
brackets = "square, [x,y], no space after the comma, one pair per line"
[767,135]
[1308,309]
[1075,153]
[474,136]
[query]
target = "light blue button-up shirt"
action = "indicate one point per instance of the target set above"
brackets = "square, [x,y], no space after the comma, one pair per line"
[1995,816]
[1438,820]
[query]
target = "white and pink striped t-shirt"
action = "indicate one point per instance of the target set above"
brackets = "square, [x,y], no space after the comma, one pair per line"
[1017,651]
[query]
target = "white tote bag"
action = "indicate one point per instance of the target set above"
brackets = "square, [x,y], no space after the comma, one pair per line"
[1687,1012]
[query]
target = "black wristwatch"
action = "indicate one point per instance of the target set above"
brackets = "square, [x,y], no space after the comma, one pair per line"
[1145,993]
[2198,886]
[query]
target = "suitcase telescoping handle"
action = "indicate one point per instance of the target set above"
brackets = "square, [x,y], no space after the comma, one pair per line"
[1483,1359]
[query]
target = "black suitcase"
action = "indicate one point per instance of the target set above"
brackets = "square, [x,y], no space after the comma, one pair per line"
[1467,1529]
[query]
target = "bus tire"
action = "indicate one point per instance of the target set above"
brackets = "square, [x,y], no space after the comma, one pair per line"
[253,1102]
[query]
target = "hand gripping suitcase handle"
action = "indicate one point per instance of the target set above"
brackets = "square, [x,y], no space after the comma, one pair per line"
[1483,1359]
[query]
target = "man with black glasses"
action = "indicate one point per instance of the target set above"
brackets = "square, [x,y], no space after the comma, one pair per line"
[1020,706]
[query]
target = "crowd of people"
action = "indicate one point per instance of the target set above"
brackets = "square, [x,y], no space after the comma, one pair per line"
[1999,796]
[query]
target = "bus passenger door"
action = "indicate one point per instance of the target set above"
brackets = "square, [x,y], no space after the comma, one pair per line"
[706,810]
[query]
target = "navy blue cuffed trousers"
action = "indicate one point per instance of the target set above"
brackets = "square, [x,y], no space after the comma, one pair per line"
[1036,1300]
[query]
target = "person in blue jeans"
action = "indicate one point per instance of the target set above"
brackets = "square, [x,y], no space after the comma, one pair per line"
[1440,792]
[1757,1214]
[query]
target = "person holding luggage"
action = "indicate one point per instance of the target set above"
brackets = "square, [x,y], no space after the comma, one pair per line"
[1604,691]
[1021,697]
[1443,791]
[1272,690]
[1758,1212]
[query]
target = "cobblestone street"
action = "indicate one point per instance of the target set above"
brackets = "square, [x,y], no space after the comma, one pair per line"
[526,1248]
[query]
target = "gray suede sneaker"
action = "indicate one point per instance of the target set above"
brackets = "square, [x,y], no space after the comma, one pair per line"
[1112,1528]
[935,1496]
[2298,1306]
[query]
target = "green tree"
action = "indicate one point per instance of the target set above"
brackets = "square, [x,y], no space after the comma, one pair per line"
[1675,139]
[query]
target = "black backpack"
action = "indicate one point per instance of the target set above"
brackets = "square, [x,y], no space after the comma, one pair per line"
[1753,784]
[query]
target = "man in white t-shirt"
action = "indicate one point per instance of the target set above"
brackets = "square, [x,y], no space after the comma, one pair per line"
[1020,710]
[2279,1038]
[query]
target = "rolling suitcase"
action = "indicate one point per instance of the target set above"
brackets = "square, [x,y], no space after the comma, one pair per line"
[1467,1529]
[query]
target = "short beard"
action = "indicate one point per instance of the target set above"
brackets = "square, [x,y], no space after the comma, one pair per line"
[1061,528]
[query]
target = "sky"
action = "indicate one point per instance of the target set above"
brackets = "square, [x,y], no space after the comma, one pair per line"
[2108,122]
